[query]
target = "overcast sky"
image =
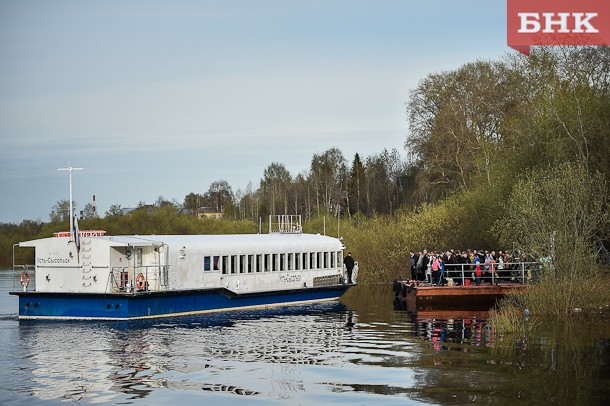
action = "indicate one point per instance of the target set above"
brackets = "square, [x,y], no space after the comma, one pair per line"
[164,97]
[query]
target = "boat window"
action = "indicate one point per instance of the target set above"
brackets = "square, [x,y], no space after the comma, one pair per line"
[242,264]
[312,260]
[259,262]
[305,261]
[234,264]
[250,263]
[225,264]
[332,259]
[319,263]
[282,261]
[216,263]
[274,263]
[297,261]
[207,265]
[325,256]
[339,258]
[267,267]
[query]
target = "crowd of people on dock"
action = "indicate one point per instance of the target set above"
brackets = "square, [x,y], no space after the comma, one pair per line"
[440,268]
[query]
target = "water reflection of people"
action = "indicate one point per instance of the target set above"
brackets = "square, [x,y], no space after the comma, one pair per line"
[349,320]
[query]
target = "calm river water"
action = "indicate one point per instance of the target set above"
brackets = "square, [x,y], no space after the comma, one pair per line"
[361,350]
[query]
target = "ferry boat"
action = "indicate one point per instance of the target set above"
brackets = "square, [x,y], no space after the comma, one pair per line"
[92,276]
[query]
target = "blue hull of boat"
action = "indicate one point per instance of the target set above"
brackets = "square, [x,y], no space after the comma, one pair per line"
[127,306]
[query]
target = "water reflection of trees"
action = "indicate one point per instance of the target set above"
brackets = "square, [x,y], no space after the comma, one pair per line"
[462,363]
[569,359]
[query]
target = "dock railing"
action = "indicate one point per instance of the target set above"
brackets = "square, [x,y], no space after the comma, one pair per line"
[513,272]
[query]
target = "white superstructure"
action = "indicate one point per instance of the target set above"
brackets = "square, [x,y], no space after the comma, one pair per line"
[240,263]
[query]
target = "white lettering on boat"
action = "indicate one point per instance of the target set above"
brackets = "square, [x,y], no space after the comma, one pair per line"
[44,261]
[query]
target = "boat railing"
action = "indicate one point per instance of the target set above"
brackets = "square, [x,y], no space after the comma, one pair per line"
[139,279]
[24,277]
[285,224]
[522,273]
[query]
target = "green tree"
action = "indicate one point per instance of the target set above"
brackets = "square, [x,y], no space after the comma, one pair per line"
[565,200]
[328,172]
[61,211]
[89,211]
[247,202]
[456,121]
[114,210]
[382,173]
[565,116]
[556,211]
[356,188]
[274,188]
[193,201]
[219,195]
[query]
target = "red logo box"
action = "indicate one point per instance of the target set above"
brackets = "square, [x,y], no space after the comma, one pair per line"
[557,22]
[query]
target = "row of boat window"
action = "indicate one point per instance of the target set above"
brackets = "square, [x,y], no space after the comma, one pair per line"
[251,263]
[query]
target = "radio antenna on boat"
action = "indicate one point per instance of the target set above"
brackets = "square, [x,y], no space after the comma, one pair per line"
[70,169]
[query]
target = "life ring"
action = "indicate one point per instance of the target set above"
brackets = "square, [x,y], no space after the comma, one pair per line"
[25,278]
[140,281]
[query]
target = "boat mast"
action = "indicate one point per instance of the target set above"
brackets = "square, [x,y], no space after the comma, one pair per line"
[70,169]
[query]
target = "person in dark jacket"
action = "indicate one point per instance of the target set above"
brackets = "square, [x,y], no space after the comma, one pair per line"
[412,263]
[425,261]
[348,261]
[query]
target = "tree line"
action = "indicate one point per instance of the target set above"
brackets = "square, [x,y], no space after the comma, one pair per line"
[331,185]
[375,185]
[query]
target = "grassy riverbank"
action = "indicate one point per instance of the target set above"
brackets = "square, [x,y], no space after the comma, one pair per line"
[553,300]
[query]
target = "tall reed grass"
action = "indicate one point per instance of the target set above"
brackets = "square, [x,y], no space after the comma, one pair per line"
[552,299]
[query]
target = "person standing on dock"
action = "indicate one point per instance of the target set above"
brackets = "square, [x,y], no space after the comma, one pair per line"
[412,264]
[421,264]
[477,271]
[492,270]
[428,266]
[435,269]
[487,276]
[501,265]
[348,261]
